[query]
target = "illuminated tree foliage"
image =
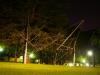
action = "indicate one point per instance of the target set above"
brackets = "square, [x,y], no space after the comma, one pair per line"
[95,42]
[45,33]
[95,38]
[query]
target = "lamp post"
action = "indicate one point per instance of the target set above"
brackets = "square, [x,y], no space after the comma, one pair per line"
[91,54]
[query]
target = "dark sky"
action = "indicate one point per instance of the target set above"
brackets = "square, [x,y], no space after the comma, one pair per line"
[88,10]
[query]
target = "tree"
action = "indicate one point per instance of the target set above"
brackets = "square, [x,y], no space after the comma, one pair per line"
[47,23]
[10,36]
[95,37]
[95,42]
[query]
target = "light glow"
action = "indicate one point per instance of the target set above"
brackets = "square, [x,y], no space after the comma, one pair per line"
[77,64]
[37,60]
[83,60]
[1,49]
[90,53]
[21,57]
[32,55]
[87,64]
[70,64]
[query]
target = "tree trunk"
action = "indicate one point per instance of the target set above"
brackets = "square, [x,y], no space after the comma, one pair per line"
[15,57]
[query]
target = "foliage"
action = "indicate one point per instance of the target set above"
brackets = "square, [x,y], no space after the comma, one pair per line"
[46,31]
[95,38]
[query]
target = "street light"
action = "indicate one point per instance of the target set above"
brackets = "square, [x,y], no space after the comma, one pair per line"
[32,55]
[1,49]
[89,53]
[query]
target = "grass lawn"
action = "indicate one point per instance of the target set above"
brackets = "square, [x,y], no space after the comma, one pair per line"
[39,69]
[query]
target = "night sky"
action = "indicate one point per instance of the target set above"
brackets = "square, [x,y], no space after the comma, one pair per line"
[75,9]
[87,10]
[90,12]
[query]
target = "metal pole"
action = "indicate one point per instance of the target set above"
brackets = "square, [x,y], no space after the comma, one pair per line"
[74,53]
[74,56]
[82,21]
[93,58]
[26,41]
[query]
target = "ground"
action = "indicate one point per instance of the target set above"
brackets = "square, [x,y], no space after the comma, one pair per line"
[42,69]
